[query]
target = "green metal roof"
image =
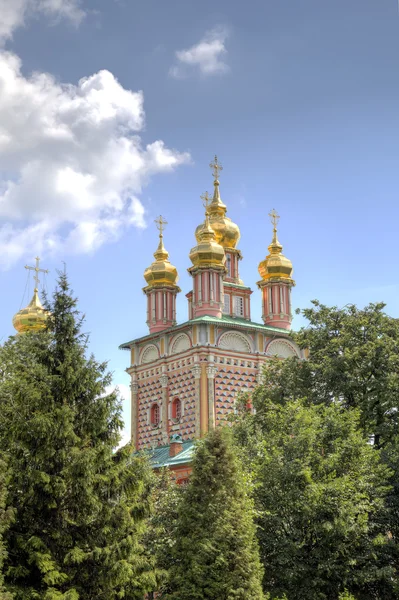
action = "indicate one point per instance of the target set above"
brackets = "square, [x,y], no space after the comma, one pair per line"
[236,285]
[225,319]
[159,457]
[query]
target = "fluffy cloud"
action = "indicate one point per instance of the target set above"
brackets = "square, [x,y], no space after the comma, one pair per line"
[207,56]
[15,12]
[72,164]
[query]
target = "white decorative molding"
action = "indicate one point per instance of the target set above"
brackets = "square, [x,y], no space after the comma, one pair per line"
[180,343]
[282,349]
[164,380]
[149,354]
[196,370]
[211,371]
[233,340]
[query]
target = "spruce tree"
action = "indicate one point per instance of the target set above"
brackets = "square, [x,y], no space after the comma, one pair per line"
[215,552]
[80,507]
[6,517]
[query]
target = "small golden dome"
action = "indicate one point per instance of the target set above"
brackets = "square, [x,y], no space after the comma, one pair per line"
[227,233]
[275,265]
[31,318]
[161,272]
[207,253]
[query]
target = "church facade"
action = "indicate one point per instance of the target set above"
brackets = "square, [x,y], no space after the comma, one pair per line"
[186,377]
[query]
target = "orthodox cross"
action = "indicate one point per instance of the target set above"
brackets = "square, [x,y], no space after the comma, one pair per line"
[217,167]
[37,271]
[274,217]
[160,223]
[207,199]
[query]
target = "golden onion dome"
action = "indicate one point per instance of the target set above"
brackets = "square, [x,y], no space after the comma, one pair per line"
[275,265]
[32,318]
[207,253]
[227,233]
[161,272]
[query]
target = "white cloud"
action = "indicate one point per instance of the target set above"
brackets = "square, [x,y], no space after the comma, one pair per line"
[208,56]
[14,13]
[72,164]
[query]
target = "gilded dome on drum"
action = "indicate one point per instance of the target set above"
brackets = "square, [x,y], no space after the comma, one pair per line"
[161,272]
[226,231]
[275,265]
[32,318]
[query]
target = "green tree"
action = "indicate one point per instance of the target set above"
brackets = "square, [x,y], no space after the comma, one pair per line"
[354,358]
[80,506]
[318,486]
[6,517]
[215,553]
[161,533]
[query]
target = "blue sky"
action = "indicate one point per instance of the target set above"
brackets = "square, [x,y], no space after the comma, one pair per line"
[298,99]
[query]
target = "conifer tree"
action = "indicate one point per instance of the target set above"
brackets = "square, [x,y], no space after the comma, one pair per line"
[215,555]
[80,507]
[6,516]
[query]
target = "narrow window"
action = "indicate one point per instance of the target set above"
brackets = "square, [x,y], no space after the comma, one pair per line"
[155,415]
[176,409]
[239,306]
[228,265]
[226,308]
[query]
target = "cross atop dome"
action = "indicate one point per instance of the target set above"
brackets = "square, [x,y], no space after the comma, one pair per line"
[160,223]
[37,271]
[274,217]
[207,200]
[216,168]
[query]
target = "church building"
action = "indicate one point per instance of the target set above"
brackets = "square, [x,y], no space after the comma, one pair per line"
[186,377]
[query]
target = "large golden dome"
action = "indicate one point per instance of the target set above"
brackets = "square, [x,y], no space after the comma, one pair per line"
[207,253]
[31,318]
[275,265]
[227,233]
[161,272]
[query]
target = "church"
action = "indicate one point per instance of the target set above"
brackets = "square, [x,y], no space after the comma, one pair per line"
[186,377]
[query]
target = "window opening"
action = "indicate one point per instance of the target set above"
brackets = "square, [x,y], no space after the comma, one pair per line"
[239,306]
[155,415]
[226,308]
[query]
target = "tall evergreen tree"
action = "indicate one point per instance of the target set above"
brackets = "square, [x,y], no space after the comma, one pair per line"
[215,554]
[80,506]
[319,490]
[6,517]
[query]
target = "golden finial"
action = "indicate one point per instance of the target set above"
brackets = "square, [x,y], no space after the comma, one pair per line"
[206,201]
[216,168]
[274,217]
[160,223]
[37,271]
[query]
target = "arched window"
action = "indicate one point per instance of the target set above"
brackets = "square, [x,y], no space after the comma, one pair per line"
[155,415]
[176,409]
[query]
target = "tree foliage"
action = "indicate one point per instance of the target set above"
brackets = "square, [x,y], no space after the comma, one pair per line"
[80,507]
[353,357]
[318,486]
[215,552]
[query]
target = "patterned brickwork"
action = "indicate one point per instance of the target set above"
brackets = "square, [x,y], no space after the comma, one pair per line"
[150,391]
[229,383]
[182,386]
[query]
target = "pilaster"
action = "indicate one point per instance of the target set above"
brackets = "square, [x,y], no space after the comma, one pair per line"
[164,379]
[196,370]
[134,389]
[211,371]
